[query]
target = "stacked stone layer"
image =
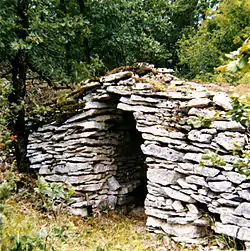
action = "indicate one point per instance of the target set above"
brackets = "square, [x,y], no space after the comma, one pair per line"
[98,152]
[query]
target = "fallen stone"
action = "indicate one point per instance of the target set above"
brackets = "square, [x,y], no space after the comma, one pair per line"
[79,211]
[112,201]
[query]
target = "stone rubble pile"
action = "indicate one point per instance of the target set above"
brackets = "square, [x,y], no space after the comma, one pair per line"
[144,124]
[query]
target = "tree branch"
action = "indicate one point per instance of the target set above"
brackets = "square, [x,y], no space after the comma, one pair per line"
[41,75]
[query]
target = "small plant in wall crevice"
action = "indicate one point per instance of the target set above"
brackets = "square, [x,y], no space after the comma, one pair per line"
[212,159]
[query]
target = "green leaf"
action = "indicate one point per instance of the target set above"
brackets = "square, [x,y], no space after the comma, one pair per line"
[243,61]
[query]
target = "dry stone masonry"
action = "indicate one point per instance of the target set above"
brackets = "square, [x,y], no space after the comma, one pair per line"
[144,134]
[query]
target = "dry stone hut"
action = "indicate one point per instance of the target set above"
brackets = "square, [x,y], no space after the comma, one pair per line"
[140,134]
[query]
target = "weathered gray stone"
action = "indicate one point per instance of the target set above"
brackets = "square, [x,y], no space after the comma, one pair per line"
[244,234]
[162,152]
[243,210]
[223,101]
[229,140]
[161,213]
[178,207]
[112,201]
[206,171]
[220,186]
[195,157]
[219,177]
[244,194]
[180,220]
[188,230]
[177,195]
[161,131]
[198,102]
[184,184]
[229,203]
[244,185]
[228,125]
[203,221]
[40,158]
[201,198]
[227,229]
[117,76]
[202,112]
[121,90]
[79,211]
[113,184]
[235,177]
[94,149]
[199,136]
[167,140]
[221,210]
[192,209]
[153,222]
[230,196]
[193,179]
[236,220]
[163,176]
[203,191]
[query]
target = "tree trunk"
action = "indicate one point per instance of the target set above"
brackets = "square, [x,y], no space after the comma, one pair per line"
[16,98]
[83,11]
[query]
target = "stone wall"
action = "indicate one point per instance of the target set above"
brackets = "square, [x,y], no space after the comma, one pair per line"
[140,120]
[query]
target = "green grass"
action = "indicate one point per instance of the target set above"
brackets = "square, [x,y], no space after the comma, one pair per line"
[25,226]
[108,231]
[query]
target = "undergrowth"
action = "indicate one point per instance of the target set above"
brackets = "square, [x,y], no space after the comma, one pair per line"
[25,225]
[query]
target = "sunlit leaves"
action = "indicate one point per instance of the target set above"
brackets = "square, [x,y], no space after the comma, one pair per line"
[240,59]
[223,31]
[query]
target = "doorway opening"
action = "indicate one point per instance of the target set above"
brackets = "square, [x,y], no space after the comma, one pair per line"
[129,159]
